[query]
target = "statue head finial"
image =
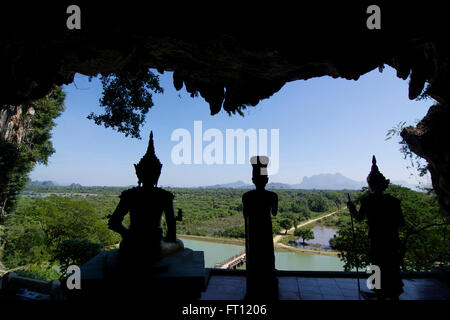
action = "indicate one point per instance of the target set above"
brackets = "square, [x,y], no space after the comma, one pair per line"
[259,164]
[375,177]
[149,167]
[151,145]
[259,171]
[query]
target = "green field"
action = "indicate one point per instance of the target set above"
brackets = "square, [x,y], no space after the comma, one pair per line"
[51,226]
[210,212]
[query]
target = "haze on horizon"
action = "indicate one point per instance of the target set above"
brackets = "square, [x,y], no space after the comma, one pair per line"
[325,126]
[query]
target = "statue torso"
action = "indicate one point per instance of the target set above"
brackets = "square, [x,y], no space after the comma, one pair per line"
[146,206]
[259,202]
[384,215]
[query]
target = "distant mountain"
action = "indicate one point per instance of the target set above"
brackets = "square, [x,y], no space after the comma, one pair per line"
[328,181]
[52,184]
[278,185]
[339,182]
[320,181]
[243,185]
[233,185]
[42,183]
[75,185]
[325,181]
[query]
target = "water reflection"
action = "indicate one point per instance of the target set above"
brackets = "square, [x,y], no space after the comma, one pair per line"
[321,241]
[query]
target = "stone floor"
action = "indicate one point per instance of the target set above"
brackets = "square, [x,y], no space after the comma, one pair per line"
[232,287]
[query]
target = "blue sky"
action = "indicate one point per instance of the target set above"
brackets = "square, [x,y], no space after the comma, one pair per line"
[325,126]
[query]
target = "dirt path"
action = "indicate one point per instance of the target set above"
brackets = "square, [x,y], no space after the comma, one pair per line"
[278,237]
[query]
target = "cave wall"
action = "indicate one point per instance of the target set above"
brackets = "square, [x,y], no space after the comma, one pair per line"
[14,123]
[429,139]
[229,55]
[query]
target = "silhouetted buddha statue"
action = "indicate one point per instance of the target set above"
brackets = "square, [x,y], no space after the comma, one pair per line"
[384,218]
[143,240]
[258,205]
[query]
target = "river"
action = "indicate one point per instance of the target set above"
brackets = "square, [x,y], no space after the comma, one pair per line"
[217,252]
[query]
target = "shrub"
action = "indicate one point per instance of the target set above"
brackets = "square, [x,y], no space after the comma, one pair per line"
[75,251]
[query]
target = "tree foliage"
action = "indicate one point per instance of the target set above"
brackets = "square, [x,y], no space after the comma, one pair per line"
[353,251]
[286,223]
[208,212]
[17,160]
[75,251]
[46,229]
[304,233]
[423,240]
[127,99]
[38,226]
[232,232]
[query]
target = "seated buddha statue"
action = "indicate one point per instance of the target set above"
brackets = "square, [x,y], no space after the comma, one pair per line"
[143,241]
